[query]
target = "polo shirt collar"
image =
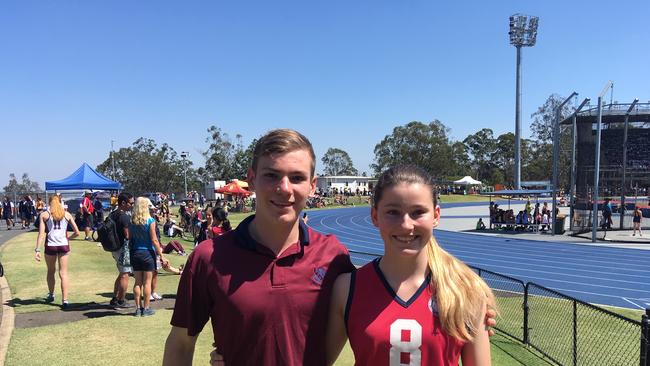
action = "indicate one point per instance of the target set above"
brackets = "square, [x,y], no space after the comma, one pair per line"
[245,240]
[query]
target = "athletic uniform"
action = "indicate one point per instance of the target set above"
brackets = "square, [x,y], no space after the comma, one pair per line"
[56,240]
[265,310]
[385,330]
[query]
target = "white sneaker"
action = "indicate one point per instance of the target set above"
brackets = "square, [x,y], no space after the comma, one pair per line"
[156,296]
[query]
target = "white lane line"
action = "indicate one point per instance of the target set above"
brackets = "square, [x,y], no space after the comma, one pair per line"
[633,303]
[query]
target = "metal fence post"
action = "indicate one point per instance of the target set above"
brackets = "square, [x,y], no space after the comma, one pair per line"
[575,333]
[645,335]
[525,306]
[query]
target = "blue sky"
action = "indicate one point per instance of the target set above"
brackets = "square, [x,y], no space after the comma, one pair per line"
[78,74]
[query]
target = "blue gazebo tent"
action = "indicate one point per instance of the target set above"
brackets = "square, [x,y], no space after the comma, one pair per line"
[83,178]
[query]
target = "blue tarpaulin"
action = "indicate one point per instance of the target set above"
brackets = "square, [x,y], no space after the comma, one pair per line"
[83,178]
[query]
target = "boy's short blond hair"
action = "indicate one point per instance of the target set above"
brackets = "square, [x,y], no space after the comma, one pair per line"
[281,141]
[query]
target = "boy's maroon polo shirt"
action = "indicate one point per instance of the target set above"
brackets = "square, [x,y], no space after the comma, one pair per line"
[264,310]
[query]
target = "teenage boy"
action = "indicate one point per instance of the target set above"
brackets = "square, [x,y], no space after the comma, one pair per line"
[122,218]
[265,286]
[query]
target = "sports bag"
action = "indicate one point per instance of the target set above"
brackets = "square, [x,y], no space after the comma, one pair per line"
[107,235]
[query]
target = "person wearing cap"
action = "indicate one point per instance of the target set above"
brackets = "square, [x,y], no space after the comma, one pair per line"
[87,211]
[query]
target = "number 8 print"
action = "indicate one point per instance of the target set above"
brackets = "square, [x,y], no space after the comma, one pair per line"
[405,341]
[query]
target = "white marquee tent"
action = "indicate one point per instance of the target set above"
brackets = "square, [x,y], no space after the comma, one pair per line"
[468,181]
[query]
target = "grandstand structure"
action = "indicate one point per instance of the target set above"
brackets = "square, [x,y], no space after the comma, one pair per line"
[624,169]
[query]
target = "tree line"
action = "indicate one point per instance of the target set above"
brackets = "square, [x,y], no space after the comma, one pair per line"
[147,166]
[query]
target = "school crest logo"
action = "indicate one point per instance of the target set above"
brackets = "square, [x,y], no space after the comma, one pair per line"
[319,275]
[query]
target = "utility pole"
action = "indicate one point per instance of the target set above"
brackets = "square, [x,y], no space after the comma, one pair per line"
[184,156]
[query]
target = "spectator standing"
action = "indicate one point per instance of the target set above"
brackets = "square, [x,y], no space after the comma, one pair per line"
[144,245]
[122,218]
[87,211]
[53,236]
[636,221]
[27,211]
[545,209]
[607,216]
[98,207]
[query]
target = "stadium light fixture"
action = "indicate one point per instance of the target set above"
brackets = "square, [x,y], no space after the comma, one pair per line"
[523,33]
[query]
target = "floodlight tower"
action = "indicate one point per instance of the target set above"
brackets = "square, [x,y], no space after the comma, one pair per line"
[184,156]
[523,33]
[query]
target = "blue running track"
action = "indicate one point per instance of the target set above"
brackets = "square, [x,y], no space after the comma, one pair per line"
[599,275]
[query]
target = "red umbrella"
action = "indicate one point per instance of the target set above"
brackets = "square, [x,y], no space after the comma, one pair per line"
[234,189]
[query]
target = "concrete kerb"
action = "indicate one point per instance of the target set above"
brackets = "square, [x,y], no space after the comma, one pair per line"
[8,319]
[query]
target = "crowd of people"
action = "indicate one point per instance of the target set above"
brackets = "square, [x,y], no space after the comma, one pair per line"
[140,255]
[526,219]
[26,210]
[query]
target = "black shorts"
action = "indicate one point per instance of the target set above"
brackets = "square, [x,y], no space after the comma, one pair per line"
[143,260]
[88,220]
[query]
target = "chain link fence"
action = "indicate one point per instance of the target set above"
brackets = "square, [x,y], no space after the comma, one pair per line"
[573,332]
[510,296]
[566,330]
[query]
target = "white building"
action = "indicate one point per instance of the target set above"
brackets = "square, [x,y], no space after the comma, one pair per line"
[210,187]
[341,183]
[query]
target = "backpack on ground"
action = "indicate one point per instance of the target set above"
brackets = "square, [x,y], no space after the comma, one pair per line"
[107,235]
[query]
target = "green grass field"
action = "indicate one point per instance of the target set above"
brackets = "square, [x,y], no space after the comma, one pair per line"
[92,272]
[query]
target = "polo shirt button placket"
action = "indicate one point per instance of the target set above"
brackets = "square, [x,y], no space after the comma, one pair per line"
[277,275]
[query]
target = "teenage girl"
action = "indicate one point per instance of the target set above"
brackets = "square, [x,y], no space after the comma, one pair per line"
[417,304]
[53,236]
[636,219]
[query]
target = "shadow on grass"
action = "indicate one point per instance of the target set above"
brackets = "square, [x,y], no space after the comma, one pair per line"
[18,302]
[129,296]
